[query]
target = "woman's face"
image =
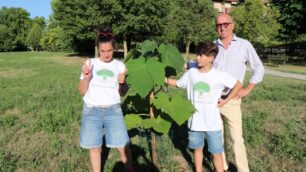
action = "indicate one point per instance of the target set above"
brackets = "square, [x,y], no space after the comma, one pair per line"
[106,51]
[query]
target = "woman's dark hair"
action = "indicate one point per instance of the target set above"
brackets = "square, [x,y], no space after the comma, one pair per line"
[105,35]
[207,48]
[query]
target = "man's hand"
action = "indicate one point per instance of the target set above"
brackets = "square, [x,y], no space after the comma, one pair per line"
[244,91]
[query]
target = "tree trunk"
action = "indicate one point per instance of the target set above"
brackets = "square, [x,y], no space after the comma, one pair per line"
[125,47]
[96,51]
[187,50]
[153,137]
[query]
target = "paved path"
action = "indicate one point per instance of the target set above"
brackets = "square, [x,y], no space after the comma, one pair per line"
[284,74]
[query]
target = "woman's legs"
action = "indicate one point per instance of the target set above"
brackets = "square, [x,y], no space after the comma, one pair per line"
[95,159]
[126,156]
[198,159]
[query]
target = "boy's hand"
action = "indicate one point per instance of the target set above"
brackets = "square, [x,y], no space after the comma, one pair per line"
[86,70]
[121,77]
[222,102]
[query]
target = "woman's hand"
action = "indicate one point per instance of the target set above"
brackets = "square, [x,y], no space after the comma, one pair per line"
[86,70]
[121,77]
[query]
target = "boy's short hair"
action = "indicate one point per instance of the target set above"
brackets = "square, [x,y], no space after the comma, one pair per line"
[208,49]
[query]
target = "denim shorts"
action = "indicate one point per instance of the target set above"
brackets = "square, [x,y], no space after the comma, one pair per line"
[95,119]
[213,138]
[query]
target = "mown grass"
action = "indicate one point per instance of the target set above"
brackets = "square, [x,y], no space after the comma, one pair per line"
[288,68]
[40,112]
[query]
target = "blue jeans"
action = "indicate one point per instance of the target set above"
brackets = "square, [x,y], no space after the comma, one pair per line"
[95,119]
[214,140]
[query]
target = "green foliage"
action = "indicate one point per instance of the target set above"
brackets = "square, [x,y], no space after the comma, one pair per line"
[191,21]
[256,22]
[130,19]
[14,24]
[144,74]
[54,39]
[147,66]
[34,36]
[292,18]
[176,107]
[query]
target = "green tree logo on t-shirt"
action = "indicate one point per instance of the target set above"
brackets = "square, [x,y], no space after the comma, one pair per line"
[105,73]
[201,87]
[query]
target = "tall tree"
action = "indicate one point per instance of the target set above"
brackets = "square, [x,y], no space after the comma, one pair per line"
[16,21]
[192,21]
[34,36]
[138,20]
[130,19]
[292,18]
[256,22]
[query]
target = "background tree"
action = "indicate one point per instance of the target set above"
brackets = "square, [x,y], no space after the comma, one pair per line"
[54,37]
[292,18]
[137,20]
[130,19]
[14,23]
[256,22]
[34,36]
[192,21]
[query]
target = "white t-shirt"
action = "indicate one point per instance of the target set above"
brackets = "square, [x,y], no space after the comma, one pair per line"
[103,86]
[204,90]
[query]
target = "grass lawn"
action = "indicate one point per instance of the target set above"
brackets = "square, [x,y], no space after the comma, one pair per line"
[40,114]
[288,68]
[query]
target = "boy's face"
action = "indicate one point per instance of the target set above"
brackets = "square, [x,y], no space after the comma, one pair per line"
[204,61]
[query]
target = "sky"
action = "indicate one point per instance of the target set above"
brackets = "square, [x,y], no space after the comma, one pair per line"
[41,8]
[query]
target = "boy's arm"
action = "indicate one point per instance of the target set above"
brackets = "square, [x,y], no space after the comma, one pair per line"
[234,91]
[170,81]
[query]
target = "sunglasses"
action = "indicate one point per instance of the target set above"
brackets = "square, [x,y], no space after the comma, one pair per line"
[106,34]
[225,25]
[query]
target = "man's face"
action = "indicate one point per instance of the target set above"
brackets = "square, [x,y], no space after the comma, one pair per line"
[224,26]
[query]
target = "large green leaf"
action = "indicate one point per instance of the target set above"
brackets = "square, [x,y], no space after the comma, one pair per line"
[170,56]
[148,123]
[132,121]
[179,109]
[161,125]
[144,74]
[158,124]
[147,46]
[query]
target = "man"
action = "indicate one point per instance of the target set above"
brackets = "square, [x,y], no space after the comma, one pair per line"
[234,53]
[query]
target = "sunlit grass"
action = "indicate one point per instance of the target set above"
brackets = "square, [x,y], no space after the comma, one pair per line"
[40,112]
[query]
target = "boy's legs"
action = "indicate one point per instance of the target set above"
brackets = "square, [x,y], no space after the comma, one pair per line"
[215,146]
[232,113]
[196,142]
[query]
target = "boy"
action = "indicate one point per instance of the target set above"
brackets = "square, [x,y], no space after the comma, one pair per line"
[204,87]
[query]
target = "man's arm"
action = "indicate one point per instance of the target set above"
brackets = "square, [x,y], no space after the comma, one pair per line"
[257,71]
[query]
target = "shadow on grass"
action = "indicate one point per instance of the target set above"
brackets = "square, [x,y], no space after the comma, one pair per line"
[137,153]
[180,142]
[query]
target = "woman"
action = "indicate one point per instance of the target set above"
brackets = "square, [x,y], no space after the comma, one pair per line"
[99,83]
